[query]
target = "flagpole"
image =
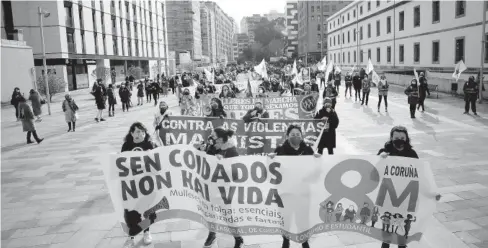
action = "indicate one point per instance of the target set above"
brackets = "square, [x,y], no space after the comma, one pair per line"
[483,40]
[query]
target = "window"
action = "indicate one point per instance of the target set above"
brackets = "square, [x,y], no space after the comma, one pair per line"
[401,21]
[83,45]
[416,16]
[460,9]
[354,35]
[343,57]
[104,45]
[318,27]
[388,24]
[400,54]
[377,3]
[129,47]
[318,8]
[361,59]
[388,54]
[96,43]
[69,16]
[459,53]
[318,37]
[334,58]
[416,52]
[342,19]
[313,9]
[369,30]
[343,38]
[486,48]
[334,8]
[318,18]
[338,40]
[354,13]
[378,28]
[436,11]
[348,16]
[334,41]
[369,53]
[348,57]
[71,43]
[115,47]
[361,33]
[369,5]
[330,40]
[80,15]
[94,20]
[348,37]
[378,55]
[354,56]
[313,18]
[318,45]
[435,51]
[361,10]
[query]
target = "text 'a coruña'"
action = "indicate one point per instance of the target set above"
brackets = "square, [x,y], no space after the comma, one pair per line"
[200,172]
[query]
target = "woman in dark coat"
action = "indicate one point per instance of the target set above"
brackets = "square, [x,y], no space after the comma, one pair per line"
[26,115]
[16,96]
[328,139]
[217,109]
[125,94]
[112,100]
[35,99]
[100,94]
[412,92]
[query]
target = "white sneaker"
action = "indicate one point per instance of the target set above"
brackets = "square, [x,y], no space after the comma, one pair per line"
[147,238]
[129,243]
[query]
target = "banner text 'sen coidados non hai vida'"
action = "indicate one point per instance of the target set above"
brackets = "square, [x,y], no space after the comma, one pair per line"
[259,137]
[294,196]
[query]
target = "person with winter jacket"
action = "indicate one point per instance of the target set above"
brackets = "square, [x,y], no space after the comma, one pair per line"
[112,100]
[329,115]
[100,94]
[399,145]
[423,91]
[188,103]
[348,80]
[26,116]
[227,92]
[257,113]
[337,80]
[16,96]
[155,89]
[412,92]
[471,90]
[124,94]
[294,145]
[36,99]
[383,92]
[217,108]
[366,85]
[140,93]
[330,93]
[70,108]
[357,83]
[314,86]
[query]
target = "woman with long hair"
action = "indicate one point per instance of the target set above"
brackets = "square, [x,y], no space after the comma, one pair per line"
[35,99]
[26,115]
[217,108]
[227,92]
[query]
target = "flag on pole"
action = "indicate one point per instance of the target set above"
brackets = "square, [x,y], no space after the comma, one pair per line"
[416,75]
[294,70]
[249,88]
[209,75]
[261,69]
[353,69]
[460,67]
[370,67]
[375,78]
[323,64]
[330,67]
[338,69]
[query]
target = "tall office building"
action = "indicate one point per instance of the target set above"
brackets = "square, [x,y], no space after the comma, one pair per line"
[273,15]
[209,47]
[224,32]
[248,24]
[241,42]
[312,27]
[81,36]
[292,28]
[184,28]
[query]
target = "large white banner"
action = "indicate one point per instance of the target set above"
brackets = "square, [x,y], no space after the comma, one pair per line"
[296,196]
[242,86]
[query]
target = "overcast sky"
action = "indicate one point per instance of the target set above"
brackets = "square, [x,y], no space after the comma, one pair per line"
[240,8]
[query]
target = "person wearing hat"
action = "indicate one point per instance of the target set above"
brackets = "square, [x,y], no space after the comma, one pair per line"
[328,138]
[470,89]
[257,113]
[423,91]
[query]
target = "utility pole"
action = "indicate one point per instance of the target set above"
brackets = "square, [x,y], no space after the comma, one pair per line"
[44,14]
[483,43]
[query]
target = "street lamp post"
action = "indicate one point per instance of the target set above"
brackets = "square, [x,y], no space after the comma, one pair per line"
[483,44]
[44,14]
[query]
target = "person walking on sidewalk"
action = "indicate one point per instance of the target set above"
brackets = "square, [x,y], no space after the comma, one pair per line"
[155,88]
[112,100]
[328,138]
[357,84]
[69,108]
[16,96]
[366,85]
[124,95]
[100,94]
[383,92]
[26,116]
[412,92]
[471,90]
[423,91]
[35,99]
[348,80]
[337,80]
[140,93]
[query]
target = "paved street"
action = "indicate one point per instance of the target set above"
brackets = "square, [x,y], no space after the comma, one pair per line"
[54,194]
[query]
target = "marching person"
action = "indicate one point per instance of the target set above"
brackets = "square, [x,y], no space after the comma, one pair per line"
[187,103]
[328,138]
[140,93]
[159,116]
[366,85]
[348,80]
[234,89]
[294,145]
[124,94]
[26,116]
[412,92]
[35,99]
[112,100]
[261,92]
[337,80]
[138,139]
[255,114]
[16,96]
[155,89]
[227,92]
[357,83]
[423,91]
[224,146]
[399,145]
[217,108]
[330,93]
[314,86]
[100,96]
[383,92]
[471,90]
[200,91]
[69,108]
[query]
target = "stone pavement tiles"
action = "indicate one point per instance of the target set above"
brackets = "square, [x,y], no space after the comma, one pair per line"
[54,194]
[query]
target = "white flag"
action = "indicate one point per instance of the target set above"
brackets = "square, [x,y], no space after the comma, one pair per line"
[370,67]
[416,75]
[209,75]
[337,69]
[294,70]
[375,78]
[460,67]
[330,67]
[323,64]
[261,69]
[353,69]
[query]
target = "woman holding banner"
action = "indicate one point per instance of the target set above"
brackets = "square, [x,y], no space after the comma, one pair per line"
[412,92]
[161,115]
[187,103]
[138,139]
[328,137]
[399,145]
[294,145]
[216,109]
[227,92]
[224,146]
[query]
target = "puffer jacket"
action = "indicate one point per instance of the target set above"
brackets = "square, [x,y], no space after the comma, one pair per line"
[383,88]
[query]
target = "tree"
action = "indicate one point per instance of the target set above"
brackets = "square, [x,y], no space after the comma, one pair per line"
[134,71]
[56,85]
[267,31]
[102,73]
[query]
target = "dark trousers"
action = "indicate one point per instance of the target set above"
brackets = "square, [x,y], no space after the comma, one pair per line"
[348,87]
[470,101]
[412,110]
[125,106]
[286,243]
[16,111]
[71,124]
[155,97]
[379,101]
[33,133]
[148,96]
[357,94]
[385,245]
[421,103]
[111,107]
[173,89]
[365,97]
